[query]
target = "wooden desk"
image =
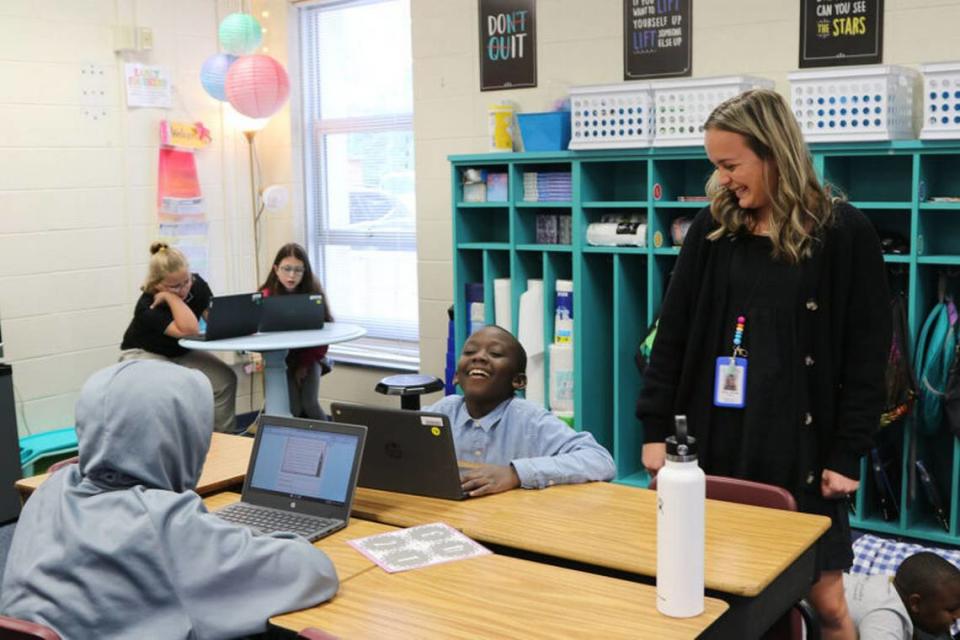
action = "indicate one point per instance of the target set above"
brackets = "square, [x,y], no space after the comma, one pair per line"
[765,559]
[346,559]
[225,467]
[495,597]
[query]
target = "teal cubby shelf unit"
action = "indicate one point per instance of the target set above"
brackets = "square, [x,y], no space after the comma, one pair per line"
[910,190]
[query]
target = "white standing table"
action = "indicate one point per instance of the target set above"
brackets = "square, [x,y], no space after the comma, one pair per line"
[274,347]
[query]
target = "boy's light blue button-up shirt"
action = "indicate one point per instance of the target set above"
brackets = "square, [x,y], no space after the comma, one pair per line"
[542,448]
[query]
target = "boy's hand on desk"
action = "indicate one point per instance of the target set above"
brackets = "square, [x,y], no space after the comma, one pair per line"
[489,478]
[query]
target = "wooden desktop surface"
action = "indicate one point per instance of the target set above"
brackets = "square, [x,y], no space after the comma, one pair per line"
[487,597]
[613,526]
[346,559]
[225,467]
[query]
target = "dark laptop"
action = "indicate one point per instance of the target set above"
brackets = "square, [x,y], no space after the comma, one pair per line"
[232,316]
[407,451]
[301,477]
[293,312]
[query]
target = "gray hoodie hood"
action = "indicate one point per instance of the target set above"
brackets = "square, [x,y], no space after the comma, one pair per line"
[119,546]
[144,422]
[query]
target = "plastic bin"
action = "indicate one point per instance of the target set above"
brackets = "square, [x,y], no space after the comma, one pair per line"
[854,103]
[683,106]
[613,116]
[941,101]
[40,450]
[548,131]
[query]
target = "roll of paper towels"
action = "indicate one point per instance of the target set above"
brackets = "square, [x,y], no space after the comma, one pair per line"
[613,234]
[530,335]
[501,303]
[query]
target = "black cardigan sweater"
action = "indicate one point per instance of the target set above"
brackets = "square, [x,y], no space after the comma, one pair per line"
[844,338]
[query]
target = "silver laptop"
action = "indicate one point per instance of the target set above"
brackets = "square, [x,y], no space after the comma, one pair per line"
[407,451]
[301,477]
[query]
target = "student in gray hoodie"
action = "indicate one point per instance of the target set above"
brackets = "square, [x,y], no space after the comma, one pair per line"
[120,546]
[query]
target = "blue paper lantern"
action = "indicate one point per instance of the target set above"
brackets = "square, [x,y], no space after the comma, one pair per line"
[213,73]
[240,34]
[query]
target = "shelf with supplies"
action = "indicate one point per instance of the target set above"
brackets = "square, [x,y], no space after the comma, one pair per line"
[626,212]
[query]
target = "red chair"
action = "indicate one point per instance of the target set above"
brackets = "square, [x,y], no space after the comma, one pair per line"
[15,629]
[312,633]
[62,463]
[757,494]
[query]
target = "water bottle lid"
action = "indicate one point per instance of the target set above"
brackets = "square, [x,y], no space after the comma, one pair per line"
[683,451]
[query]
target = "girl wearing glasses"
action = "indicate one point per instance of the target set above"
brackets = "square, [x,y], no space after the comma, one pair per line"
[169,309]
[291,273]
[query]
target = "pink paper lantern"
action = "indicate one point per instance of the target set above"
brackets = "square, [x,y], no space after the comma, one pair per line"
[257,86]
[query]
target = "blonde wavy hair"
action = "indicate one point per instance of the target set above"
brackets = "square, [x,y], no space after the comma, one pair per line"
[164,260]
[801,205]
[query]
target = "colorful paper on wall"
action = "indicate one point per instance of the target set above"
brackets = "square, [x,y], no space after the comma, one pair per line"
[180,206]
[148,86]
[184,135]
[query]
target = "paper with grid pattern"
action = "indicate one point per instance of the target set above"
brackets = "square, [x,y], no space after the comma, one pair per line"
[417,547]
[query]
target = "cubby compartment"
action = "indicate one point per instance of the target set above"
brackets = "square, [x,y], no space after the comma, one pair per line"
[549,228]
[681,180]
[494,179]
[630,325]
[547,182]
[616,229]
[940,179]
[936,453]
[615,181]
[477,227]
[669,227]
[496,264]
[938,236]
[871,178]
[468,272]
[893,228]
[593,317]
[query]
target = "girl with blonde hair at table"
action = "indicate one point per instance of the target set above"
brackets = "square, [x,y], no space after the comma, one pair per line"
[169,308]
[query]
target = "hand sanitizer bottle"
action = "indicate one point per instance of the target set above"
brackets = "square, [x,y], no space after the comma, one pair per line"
[681,495]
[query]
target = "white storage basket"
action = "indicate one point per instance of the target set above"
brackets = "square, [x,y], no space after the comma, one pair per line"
[614,116]
[682,106]
[854,103]
[941,100]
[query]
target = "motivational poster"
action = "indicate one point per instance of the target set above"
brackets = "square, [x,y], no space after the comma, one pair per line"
[840,32]
[508,44]
[657,39]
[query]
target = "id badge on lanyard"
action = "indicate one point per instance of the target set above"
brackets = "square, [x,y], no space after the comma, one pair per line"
[730,375]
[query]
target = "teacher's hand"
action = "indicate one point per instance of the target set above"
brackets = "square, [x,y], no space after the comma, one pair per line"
[653,457]
[836,485]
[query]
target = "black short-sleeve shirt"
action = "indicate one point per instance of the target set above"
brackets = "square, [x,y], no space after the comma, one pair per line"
[146,330]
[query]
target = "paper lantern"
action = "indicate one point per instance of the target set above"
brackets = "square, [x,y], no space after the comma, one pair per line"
[257,86]
[240,34]
[213,74]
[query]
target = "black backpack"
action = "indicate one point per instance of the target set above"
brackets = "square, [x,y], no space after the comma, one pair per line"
[901,383]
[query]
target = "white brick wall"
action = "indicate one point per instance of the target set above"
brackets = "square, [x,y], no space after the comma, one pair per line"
[78,196]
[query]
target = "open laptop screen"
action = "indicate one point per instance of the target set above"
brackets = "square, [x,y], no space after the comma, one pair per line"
[315,465]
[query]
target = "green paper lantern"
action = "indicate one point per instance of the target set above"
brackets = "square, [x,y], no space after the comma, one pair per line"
[240,34]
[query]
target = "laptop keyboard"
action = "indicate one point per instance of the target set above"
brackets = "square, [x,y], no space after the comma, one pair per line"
[265,520]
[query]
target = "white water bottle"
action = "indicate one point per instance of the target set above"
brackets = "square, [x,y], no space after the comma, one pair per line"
[681,495]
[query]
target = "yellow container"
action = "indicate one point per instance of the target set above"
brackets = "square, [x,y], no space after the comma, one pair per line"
[501,125]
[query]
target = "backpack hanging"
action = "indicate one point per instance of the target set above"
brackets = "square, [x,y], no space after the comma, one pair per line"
[935,353]
[900,381]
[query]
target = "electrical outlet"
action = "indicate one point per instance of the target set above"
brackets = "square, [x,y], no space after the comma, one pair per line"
[145,39]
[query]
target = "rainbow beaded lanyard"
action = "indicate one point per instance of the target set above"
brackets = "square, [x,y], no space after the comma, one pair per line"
[738,350]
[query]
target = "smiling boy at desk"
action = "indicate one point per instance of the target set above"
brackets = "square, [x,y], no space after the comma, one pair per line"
[515,442]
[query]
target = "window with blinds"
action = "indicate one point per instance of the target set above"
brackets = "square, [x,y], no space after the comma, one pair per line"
[358,159]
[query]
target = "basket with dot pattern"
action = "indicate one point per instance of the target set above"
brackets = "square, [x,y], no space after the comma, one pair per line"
[855,103]
[615,116]
[941,100]
[682,106]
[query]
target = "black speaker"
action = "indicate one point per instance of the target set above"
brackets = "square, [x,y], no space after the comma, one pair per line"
[9,448]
